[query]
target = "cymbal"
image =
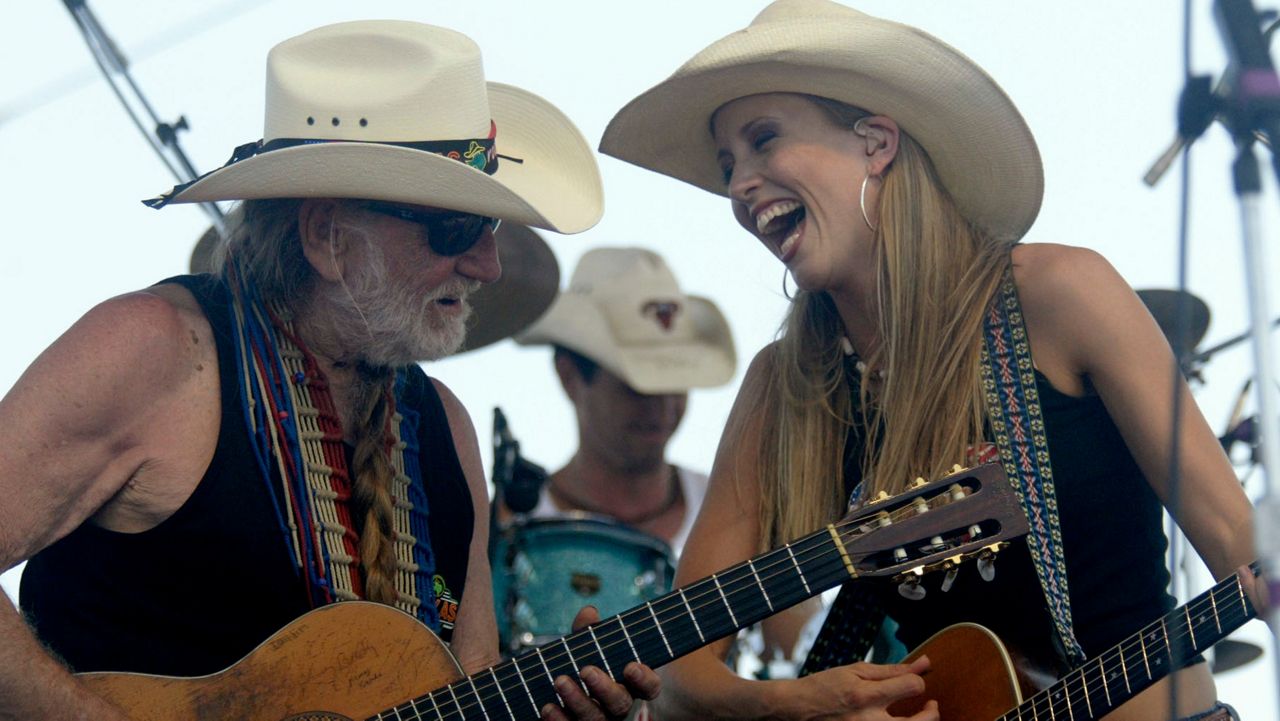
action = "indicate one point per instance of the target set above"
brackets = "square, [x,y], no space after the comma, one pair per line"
[1164,307]
[1230,654]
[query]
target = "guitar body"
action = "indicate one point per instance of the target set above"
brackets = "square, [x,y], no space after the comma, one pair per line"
[357,660]
[343,661]
[971,675]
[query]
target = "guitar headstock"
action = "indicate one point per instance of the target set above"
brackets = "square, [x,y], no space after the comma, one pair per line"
[971,512]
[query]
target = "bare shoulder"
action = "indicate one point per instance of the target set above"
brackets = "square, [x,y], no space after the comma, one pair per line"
[464,439]
[745,418]
[142,341]
[1078,310]
[459,418]
[1050,274]
[763,366]
[128,394]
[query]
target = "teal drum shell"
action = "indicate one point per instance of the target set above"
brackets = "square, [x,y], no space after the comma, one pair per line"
[546,569]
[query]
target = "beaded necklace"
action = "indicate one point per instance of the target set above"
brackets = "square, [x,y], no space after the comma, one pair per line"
[298,445]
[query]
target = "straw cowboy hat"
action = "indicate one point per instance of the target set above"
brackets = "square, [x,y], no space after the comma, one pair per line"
[979,143]
[400,111]
[624,310]
[529,283]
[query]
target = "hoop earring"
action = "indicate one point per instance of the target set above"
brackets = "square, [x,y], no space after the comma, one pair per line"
[862,202]
[786,293]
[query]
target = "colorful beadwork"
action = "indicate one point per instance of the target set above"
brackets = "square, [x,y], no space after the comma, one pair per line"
[298,445]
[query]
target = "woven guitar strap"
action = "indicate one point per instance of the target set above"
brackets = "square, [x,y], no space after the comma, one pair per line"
[1017,427]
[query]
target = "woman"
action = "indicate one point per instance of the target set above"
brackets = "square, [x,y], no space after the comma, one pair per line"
[894,178]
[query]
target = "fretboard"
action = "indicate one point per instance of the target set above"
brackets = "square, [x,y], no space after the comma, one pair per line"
[1118,674]
[654,634]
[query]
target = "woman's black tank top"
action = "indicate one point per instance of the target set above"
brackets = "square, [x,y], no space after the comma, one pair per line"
[1112,536]
[200,590]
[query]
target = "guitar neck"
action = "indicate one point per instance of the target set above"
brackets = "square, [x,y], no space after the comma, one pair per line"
[1120,673]
[654,634]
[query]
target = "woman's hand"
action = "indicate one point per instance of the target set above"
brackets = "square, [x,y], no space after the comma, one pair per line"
[608,699]
[862,692]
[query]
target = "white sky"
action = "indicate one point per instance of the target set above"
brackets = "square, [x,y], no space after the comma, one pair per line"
[1096,79]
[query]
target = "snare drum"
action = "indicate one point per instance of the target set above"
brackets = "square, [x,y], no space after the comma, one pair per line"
[546,569]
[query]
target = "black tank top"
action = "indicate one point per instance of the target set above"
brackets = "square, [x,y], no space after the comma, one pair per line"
[204,587]
[1113,540]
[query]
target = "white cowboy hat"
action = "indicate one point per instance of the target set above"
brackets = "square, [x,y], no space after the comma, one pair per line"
[400,111]
[529,283]
[979,143]
[624,310]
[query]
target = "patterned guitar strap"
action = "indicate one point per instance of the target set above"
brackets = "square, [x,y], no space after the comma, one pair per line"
[1017,426]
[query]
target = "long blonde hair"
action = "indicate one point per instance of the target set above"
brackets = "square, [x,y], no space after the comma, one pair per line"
[935,275]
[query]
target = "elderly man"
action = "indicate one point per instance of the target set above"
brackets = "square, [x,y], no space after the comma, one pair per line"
[193,466]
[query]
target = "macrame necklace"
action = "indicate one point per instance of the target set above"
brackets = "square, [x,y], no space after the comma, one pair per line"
[298,445]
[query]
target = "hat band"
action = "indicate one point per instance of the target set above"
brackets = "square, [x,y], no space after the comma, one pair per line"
[479,153]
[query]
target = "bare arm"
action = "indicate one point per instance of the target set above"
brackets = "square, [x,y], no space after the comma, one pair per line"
[475,634]
[1085,321]
[700,685]
[81,433]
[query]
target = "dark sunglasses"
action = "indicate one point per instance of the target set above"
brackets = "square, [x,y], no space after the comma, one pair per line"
[448,232]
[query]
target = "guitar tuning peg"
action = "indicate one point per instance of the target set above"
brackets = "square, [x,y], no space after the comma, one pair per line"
[987,565]
[957,468]
[920,506]
[919,482]
[910,587]
[949,578]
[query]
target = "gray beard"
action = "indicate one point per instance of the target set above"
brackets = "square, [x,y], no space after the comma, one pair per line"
[397,324]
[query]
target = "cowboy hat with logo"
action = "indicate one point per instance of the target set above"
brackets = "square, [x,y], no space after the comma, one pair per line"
[529,283]
[981,147]
[400,111]
[624,310]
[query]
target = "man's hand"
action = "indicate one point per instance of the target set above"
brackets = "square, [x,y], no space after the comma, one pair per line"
[608,699]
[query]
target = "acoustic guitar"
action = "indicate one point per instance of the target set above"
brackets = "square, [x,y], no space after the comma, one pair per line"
[359,660]
[973,677]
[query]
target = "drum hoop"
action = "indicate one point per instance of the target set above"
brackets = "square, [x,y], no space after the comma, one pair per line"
[600,524]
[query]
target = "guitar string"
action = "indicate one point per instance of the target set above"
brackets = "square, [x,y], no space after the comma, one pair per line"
[1125,649]
[846,530]
[810,547]
[1133,648]
[665,616]
[747,581]
[858,529]
[1086,691]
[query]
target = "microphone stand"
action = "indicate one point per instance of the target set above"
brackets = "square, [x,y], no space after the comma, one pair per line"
[517,484]
[1252,104]
[115,67]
